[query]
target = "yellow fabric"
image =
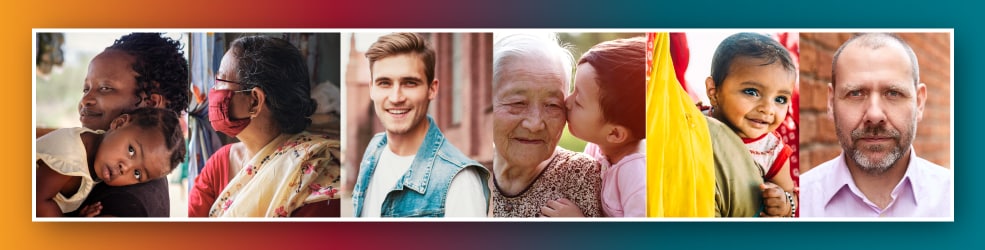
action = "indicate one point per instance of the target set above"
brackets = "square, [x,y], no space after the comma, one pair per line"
[681,175]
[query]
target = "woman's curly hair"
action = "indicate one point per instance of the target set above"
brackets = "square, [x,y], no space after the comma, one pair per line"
[160,65]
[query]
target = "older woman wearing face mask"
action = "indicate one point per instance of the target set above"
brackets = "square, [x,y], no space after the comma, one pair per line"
[532,176]
[261,97]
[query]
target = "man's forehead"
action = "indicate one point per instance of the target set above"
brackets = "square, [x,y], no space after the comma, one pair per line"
[411,63]
[861,61]
[903,86]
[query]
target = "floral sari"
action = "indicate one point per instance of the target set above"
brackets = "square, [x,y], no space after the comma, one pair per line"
[286,174]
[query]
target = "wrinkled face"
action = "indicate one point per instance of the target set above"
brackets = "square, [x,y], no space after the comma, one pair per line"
[585,118]
[754,99]
[876,105]
[109,90]
[528,110]
[129,155]
[401,93]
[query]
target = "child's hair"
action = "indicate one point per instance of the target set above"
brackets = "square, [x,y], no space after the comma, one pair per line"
[621,81]
[747,45]
[160,65]
[167,122]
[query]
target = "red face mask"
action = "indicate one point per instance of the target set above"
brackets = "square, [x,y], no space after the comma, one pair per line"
[219,113]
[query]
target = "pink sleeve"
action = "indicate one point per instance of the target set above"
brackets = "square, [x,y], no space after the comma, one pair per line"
[632,188]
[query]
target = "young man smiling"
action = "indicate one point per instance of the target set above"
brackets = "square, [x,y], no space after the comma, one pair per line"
[411,170]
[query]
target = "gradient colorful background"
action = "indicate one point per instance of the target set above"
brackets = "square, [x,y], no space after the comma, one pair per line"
[20,17]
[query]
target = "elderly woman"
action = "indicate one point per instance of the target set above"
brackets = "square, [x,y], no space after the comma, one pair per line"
[532,176]
[261,97]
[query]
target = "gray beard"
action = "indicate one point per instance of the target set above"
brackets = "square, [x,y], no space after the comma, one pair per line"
[873,166]
[876,167]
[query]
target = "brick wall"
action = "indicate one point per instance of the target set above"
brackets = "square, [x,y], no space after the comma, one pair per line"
[818,141]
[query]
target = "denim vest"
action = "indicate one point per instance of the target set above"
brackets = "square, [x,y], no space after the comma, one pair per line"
[422,190]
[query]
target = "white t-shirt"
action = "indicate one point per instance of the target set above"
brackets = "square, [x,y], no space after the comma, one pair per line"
[465,195]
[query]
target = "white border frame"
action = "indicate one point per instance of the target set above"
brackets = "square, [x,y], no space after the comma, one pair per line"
[343,98]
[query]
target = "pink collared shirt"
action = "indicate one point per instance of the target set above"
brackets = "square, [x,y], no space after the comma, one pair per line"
[829,191]
[623,184]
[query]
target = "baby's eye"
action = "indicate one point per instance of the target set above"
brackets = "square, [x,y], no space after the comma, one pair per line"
[131,151]
[751,92]
[781,99]
[136,174]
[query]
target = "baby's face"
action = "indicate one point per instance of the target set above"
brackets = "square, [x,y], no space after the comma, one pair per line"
[585,119]
[754,98]
[129,155]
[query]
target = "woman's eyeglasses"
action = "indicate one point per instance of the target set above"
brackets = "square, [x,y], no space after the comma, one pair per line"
[224,84]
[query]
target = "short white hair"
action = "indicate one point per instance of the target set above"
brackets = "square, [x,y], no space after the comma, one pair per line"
[509,47]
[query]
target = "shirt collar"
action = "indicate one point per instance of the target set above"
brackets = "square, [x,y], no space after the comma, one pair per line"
[842,180]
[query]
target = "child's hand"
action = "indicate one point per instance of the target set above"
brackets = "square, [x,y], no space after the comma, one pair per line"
[91,210]
[561,208]
[774,200]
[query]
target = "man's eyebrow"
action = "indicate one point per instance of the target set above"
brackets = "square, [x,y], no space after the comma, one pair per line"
[411,79]
[851,86]
[898,88]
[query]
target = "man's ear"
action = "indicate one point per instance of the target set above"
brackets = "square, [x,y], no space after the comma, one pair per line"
[256,106]
[617,134]
[711,91]
[119,121]
[921,100]
[433,90]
